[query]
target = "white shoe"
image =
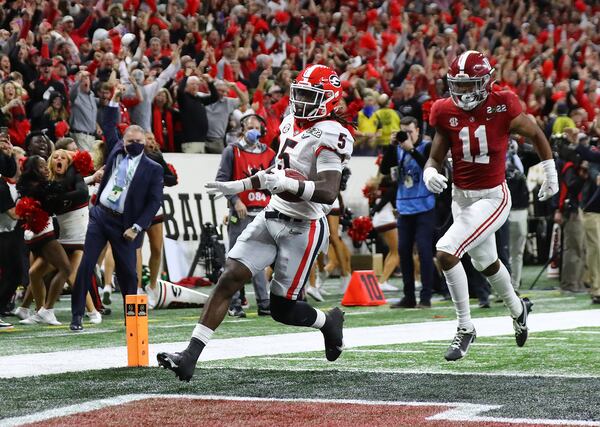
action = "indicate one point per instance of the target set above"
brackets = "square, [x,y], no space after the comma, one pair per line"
[34,319]
[152,296]
[95,317]
[22,313]
[386,287]
[141,291]
[48,317]
[4,326]
[314,292]
[344,282]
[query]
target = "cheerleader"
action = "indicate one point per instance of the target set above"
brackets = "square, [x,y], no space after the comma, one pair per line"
[381,200]
[155,232]
[38,202]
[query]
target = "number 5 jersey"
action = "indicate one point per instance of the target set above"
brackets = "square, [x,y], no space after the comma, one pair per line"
[299,149]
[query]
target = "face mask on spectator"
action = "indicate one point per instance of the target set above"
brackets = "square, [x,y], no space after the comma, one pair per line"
[134,148]
[369,110]
[252,136]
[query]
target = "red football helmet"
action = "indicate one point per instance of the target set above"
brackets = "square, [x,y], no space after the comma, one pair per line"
[315,92]
[470,79]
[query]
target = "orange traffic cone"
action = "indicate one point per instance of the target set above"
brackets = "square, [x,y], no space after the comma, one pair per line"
[363,289]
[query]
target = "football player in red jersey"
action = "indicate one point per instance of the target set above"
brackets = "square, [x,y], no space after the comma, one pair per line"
[287,234]
[475,124]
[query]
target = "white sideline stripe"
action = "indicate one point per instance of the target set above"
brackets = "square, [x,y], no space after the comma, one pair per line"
[64,334]
[457,412]
[27,365]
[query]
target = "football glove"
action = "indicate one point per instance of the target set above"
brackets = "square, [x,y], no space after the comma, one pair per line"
[276,182]
[550,185]
[434,181]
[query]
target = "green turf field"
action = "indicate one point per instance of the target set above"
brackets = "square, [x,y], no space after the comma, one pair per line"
[555,376]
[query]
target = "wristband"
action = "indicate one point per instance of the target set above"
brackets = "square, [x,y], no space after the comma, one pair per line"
[306,189]
[247,183]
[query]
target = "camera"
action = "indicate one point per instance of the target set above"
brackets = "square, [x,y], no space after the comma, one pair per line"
[401,136]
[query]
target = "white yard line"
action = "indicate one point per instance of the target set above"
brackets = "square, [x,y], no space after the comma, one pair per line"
[26,365]
[449,411]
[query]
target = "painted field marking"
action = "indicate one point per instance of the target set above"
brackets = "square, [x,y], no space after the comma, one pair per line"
[457,412]
[31,364]
[581,332]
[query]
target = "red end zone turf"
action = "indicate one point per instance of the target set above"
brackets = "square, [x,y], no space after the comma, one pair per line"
[197,412]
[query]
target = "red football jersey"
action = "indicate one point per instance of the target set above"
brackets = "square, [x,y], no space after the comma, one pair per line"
[478,138]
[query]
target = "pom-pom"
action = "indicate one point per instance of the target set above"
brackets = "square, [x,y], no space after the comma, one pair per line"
[361,227]
[34,217]
[61,128]
[83,163]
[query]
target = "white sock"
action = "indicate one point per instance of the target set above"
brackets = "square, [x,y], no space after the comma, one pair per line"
[108,289]
[320,320]
[456,278]
[502,285]
[202,333]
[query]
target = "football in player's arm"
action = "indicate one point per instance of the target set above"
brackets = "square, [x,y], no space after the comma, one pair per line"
[314,146]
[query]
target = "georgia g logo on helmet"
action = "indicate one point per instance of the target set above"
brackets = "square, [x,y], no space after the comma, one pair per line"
[470,79]
[315,93]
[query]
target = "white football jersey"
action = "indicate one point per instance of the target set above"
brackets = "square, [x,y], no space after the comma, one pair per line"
[299,149]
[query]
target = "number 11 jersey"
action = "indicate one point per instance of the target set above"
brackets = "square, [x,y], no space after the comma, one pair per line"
[299,149]
[478,138]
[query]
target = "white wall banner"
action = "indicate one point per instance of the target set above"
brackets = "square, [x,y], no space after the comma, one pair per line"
[187,205]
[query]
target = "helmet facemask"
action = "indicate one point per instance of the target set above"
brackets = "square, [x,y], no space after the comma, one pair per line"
[308,102]
[468,92]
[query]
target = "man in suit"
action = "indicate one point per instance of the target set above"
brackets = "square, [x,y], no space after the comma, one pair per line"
[129,195]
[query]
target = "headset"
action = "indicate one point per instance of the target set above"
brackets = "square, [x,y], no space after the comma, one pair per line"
[263,123]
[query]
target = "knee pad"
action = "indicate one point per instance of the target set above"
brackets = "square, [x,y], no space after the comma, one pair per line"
[281,309]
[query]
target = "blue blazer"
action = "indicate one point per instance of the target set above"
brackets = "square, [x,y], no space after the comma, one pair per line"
[145,192]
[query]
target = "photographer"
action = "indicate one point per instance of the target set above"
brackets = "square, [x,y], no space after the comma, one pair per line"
[517,219]
[415,204]
[591,211]
[569,213]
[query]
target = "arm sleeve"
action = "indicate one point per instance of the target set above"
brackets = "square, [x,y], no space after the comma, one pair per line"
[328,160]
[421,159]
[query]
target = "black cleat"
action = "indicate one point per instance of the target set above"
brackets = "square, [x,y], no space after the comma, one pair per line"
[520,323]
[76,324]
[404,303]
[460,344]
[264,311]
[236,311]
[333,333]
[181,363]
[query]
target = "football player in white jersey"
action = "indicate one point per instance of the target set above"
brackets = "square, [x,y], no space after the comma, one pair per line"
[292,230]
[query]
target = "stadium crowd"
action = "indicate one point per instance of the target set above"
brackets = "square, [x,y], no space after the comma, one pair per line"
[188,71]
